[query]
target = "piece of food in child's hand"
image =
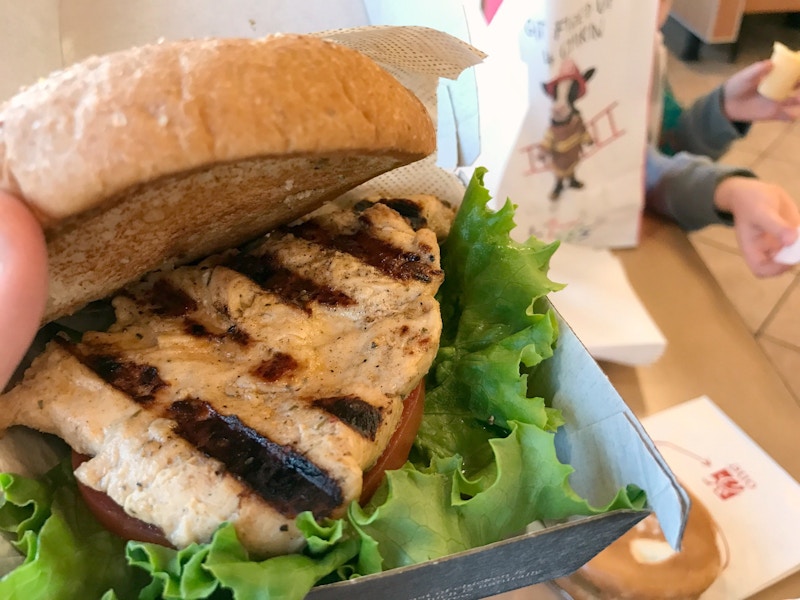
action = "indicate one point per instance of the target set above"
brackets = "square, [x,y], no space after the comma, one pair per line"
[781,80]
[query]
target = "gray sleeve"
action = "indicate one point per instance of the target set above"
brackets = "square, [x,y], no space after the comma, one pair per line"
[703,128]
[682,188]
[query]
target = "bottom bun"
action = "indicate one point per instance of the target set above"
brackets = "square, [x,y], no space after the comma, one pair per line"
[641,565]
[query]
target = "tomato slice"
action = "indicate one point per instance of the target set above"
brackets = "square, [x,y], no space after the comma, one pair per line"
[396,453]
[113,517]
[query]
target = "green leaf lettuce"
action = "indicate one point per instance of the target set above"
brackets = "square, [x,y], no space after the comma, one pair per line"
[67,553]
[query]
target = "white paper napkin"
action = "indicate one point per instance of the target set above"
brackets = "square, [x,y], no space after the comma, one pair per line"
[790,255]
[753,500]
[602,308]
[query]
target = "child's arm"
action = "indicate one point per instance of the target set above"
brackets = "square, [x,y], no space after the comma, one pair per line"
[704,129]
[765,217]
[695,192]
[713,122]
[682,187]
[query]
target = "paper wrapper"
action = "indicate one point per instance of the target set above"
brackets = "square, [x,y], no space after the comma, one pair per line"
[418,57]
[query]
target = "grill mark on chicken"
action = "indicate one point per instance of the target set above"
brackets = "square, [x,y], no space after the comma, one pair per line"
[406,208]
[285,479]
[317,451]
[170,301]
[239,336]
[140,381]
[276,367]
[267,272]
[392,261]
[233,333]
[358,415]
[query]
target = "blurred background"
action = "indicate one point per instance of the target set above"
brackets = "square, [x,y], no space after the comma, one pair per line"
[769,307]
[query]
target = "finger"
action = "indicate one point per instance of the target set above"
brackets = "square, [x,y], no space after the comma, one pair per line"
[764,265]
[790,213]
[769,269]
[789,237]
[758,251]
[792,100]
[755,72]
[23,282]
[792,112]
[773,225]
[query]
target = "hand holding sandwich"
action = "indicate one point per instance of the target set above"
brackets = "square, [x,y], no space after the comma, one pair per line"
[23,281]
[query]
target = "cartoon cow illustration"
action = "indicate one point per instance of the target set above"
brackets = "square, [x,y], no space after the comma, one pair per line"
[567,135]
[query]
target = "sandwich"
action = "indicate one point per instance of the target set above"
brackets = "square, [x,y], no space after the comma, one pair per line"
[267,344]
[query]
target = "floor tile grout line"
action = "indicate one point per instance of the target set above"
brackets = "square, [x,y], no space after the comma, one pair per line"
[768,149]
[777,306]
[786,346]
[778,158]
[778,341]
[757,332]
[717,245]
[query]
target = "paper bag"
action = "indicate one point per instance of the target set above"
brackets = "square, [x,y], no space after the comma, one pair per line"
[564,97]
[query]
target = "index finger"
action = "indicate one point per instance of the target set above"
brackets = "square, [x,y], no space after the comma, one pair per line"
[757,70]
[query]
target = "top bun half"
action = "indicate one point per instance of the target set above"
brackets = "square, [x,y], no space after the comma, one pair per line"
[166,153]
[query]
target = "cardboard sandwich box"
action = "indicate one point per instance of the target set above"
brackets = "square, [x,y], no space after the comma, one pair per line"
[608,448]
[602,439]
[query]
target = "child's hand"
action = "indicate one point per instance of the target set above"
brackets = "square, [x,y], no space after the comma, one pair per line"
[742,102]
[765,219]
[23,282]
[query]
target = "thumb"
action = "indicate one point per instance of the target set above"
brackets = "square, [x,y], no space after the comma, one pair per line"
[757,71]
[23,282]
[774,225]
[751,76]
[789,235]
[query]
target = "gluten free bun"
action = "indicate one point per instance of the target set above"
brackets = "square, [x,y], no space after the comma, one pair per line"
[166,153]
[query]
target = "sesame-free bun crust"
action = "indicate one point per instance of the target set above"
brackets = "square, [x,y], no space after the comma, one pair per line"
[166,153]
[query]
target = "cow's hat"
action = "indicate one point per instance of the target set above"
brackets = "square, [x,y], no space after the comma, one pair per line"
[567,71]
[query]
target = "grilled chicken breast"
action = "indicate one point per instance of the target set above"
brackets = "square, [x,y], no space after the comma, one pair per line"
[255,385]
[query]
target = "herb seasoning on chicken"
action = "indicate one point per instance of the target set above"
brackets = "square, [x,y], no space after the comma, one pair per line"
[254,385]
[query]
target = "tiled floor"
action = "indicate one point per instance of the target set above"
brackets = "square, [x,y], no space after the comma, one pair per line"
[769,307]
